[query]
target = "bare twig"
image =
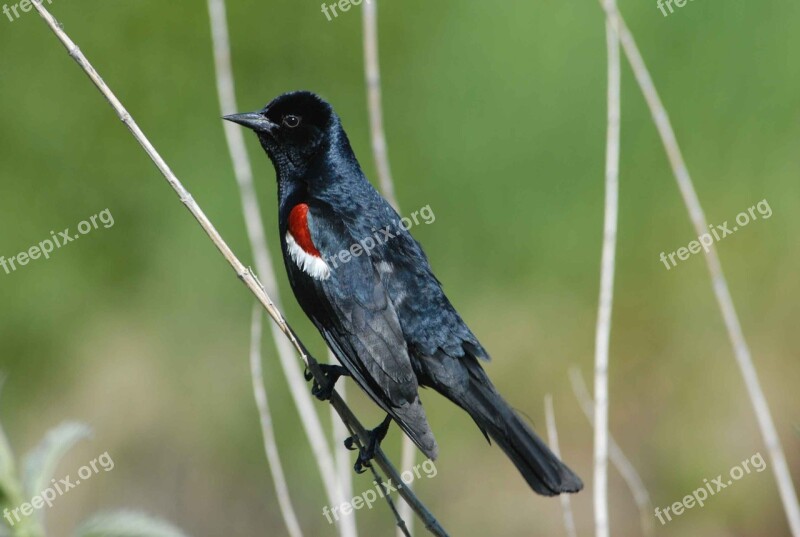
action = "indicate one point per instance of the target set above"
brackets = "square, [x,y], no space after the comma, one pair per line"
[552,437]
[603,334]
[372,77]
[401,524]
[341,455]
[258,243]
[408,452]
[721,291]
[618,458]
[243,273]
[270,446]
[402,528]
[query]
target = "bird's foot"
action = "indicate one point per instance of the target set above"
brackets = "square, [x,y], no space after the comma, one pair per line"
[367,452]
[324,391]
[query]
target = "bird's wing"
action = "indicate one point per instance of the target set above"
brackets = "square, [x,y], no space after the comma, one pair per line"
[431,325]
[352,310]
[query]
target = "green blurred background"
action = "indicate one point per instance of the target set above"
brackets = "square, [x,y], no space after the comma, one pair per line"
[495,115]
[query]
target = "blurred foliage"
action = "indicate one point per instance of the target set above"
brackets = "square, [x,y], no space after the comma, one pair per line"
[495,115]
[24,502]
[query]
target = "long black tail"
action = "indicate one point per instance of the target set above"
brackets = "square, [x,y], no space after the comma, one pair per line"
[543,471]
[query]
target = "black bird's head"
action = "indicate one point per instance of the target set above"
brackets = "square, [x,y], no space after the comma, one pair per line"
[293,129]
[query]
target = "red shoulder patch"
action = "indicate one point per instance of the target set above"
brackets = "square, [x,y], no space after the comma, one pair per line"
[298,227]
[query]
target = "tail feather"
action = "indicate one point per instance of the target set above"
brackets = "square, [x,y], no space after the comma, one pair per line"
[542,470]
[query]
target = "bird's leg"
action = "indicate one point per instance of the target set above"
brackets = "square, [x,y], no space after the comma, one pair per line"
[323,392]
[367,452]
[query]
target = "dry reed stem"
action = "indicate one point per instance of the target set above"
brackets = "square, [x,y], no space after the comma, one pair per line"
[741,351]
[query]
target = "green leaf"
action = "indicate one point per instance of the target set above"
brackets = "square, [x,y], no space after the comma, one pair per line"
[9,484]
[9,487]
[126,524]
[8,469]
[41,463]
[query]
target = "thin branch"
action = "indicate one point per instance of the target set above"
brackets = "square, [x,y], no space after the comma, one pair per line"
[721,291]
[373,79]
[624,466]
[243,273]
[552,437]
[380,152]
[603,333]
[408,453]
[341,455]
[402,528]
[258,242]
[267,431]
[401,525]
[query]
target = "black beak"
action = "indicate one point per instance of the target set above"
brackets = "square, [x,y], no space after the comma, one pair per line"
[252,120]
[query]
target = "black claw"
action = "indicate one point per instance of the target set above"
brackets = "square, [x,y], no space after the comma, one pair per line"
[324,392]
[307,374]
[361,466]
[367,452]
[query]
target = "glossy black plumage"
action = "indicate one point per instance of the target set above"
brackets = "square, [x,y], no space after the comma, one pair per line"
[384,315]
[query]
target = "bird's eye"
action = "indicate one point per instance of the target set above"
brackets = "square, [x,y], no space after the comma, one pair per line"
[291,121]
